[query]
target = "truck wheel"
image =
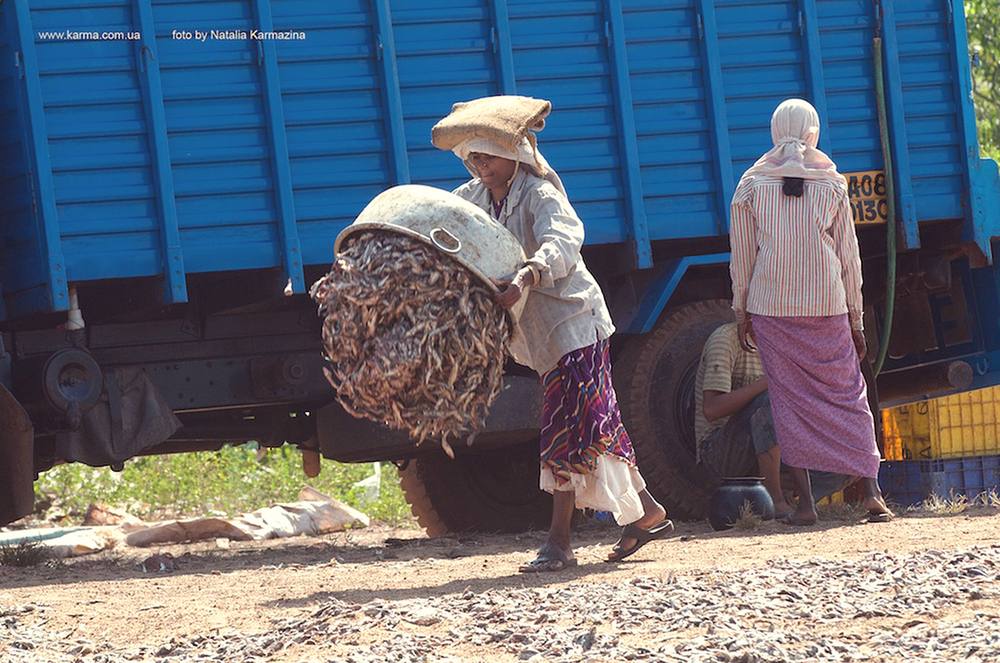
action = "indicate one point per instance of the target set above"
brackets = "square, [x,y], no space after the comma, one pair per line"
[419,501]
[654,378]
[494,490]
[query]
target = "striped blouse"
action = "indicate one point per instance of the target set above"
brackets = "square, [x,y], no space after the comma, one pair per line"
[794,257]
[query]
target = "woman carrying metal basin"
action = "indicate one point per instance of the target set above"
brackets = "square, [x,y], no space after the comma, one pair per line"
[586,454]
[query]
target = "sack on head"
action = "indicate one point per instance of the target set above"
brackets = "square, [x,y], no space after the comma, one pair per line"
[504,118]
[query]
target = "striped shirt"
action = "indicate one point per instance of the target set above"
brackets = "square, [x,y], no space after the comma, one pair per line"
[794,257]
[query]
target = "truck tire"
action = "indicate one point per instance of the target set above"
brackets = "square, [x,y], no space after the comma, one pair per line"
[494,490]
[419,501]
[654,378]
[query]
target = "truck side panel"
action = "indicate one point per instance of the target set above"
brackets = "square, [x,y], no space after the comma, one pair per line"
[167,154]
[33,267]
[339,149]
[14,186]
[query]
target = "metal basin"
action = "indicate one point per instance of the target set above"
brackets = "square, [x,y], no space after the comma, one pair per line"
[450,224]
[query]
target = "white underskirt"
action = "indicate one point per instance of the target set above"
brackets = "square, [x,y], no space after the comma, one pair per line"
[613,486]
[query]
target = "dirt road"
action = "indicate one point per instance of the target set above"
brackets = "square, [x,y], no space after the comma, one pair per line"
[921,588]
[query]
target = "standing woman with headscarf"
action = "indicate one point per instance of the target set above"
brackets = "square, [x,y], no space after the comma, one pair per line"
[585,452]
[796,273]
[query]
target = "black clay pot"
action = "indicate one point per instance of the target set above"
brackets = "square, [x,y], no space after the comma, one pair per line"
[728,499]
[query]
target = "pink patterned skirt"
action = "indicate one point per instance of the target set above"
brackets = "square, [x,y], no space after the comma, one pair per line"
[818,395]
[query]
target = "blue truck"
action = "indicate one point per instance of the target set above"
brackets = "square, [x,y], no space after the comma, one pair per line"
[167,167]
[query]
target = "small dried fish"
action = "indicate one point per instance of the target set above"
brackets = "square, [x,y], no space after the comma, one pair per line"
[414,340]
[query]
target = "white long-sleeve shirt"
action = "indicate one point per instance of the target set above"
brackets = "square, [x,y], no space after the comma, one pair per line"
[565,310]
[791,256]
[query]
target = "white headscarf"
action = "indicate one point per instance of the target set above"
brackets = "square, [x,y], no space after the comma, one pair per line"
[526,156]
[795,132]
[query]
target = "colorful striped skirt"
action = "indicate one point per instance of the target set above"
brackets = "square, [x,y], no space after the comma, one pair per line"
[584,446]
[580,416]
[818,396]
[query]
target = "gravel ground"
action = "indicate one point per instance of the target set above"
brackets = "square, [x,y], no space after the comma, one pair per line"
[928,605]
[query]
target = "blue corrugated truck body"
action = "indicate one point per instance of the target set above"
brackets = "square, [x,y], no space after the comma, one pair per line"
[170,165]
[145,149]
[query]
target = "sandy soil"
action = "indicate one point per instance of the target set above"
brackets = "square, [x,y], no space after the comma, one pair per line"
[246,586]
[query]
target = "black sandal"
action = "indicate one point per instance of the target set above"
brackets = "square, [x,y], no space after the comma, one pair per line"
[875,516]
[641,536]
[549,559]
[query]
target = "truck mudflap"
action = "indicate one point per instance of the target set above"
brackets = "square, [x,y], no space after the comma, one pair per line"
[131,415]
[17,472]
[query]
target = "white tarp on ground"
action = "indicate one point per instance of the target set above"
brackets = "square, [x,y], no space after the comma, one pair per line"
[62,541]
[280,520]
[316,513]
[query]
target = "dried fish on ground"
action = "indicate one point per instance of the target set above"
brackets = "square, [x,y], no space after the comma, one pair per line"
[926,606]
[414,339]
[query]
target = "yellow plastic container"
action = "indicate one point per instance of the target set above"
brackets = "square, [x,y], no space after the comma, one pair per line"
[966,424]
[907,431]
[836,498]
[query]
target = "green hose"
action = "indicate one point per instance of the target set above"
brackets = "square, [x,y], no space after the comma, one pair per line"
[890,199]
